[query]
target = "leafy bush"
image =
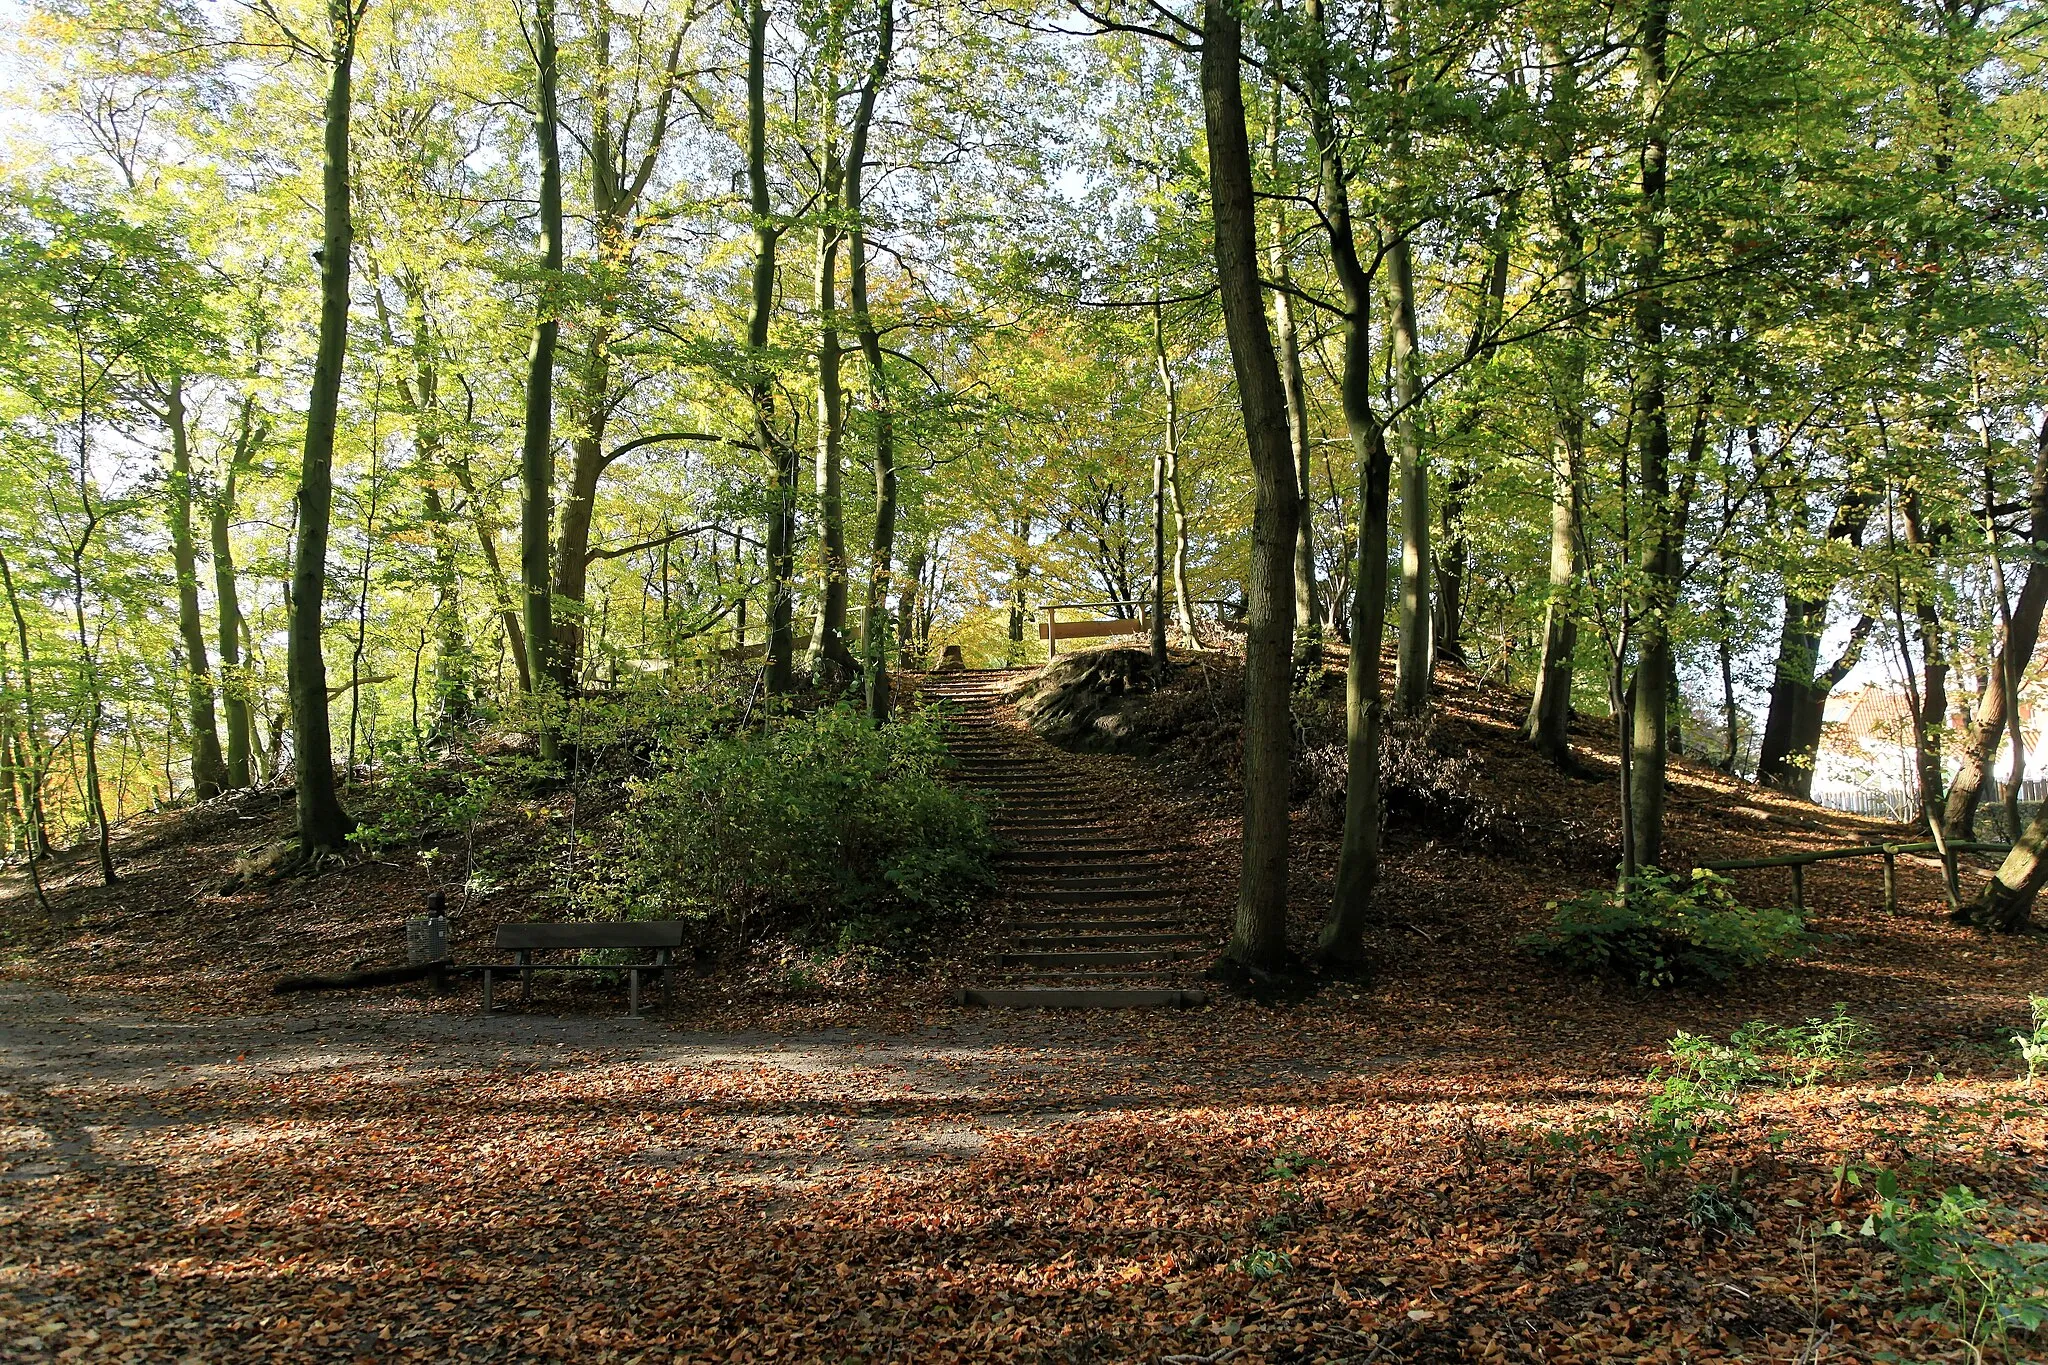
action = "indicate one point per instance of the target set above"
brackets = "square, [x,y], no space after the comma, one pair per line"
[1806,1051]
[414,800]
[1699,1089]
[1663,930]
[1989,1283]
[2034,1046]
[825,817]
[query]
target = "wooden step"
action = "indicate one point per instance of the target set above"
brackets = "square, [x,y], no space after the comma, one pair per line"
[1095,957]
[1070,896]
[1082,997]
[1079,942]
[1062,924]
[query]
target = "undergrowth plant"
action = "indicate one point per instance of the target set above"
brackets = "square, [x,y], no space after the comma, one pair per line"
[1699,1088]
[2034,1046]
[1987,1283]
[827,819]
[1666,930]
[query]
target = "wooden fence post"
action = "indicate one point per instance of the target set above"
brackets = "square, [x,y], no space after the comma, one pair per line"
[1891,882]
[1799,887]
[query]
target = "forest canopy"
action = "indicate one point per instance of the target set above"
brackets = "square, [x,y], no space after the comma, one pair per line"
[372,370]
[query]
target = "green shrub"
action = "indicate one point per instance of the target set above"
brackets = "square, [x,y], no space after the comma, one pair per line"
[826,818]
[1699,1089]
[2034,1046]
[1806,1051]
[1664,930]
[414,800]
[1988,1283]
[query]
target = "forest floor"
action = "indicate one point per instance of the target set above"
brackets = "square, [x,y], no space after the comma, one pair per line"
[1430,1169]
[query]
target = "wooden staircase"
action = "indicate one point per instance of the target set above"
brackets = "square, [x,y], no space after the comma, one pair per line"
[1094,915]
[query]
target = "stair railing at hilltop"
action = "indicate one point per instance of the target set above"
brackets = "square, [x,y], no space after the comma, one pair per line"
[1799,862]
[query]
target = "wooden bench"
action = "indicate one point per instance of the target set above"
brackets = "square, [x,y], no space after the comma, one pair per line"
[661,937]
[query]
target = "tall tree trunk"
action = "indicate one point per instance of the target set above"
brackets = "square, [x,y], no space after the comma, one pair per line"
[831,663]
[1452,553]
[1183,606]
[874,625]
[1651,712]
[1308,617]
[34,764]
[906,606]
[220,513]
[323,825]
[1934,665]
[2022,632]
[1799,686]
[587,463]
[1259,937]
[451,647]
[616,187]
[779,667]
[1342,940]
[209,768]
[1548,726]
[546,658]
[1162,461]
[1413,660]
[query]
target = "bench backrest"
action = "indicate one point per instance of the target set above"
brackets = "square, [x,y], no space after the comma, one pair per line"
[1085,630]
[659,933]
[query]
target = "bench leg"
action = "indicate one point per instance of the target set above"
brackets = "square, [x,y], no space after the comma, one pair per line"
[525,976]
[668,989]
[633,991]
[487,990]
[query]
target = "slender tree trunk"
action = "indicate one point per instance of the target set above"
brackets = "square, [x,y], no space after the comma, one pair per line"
[1652,689]
[1448,620]
[451,646]
[1800,687]
[831,663]
[88,669]
[1548,726]
[2006,904]
[209,769]
[2022,632]
[1413,661]
[34,764]
[546,658]
[323,825]
[1162,458]
[780,664]
[874,625]
[1184,607]
[1934,666]
[1259,938]
[220,513]
[907,645]
[1342,940]
[1308,618]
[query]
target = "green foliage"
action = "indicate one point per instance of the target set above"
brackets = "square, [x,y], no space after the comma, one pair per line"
[824,817]
[1699,1089]
[1988,1283]
[1719,1208]
[1264,1263]
[1819,1046]
[1663,930]
[2033,1046]
[416,799]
